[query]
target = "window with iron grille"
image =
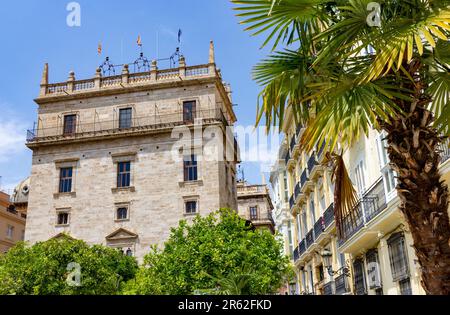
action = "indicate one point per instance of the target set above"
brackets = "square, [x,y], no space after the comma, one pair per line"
[253,213]
[70,124]
[123,174]
[359,278]
[125,118]
[398,257]
[189,111]
[190,168]
[191,207]
[405,287]
[65,179]
[373,269]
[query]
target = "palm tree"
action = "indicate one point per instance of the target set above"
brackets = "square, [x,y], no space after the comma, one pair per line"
[342,74]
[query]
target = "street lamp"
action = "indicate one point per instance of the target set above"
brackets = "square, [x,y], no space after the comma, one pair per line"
[326,257]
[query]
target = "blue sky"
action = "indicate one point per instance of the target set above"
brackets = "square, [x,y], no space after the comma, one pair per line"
[35,31]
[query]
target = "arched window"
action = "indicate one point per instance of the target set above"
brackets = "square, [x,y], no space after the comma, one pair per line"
[129,252]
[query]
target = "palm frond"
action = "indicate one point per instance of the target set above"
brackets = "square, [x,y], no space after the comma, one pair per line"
[345,196]
[283,19]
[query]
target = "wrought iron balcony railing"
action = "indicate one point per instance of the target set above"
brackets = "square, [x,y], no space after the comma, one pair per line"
[341,284]
[302,247]
[328,216]
[312,162]
[83,129]
[293,143]
[368,207]
[328,288]
[292,201]
[297,190]
[310,238]
[304,178]
[319,227]
[287,157]
[296,254]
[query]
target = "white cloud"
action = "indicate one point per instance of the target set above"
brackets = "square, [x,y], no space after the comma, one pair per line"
[12,139]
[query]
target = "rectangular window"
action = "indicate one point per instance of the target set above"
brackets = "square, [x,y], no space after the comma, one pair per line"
[405,287]
[312,210]
[63,218]
[189,112]
[122,214]
[10,232]
[70,124]
[289,232]
[304,223]
[65,179]
[123,174]
[373,269]
[190,169]
[125,118]
[359,278]
[299,227]
[191,207]
[398,257]
[360,178]
[253,213]
[388,174]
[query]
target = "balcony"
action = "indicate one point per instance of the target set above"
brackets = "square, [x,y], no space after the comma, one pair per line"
[293,143]
[368,207]
[287,158]
[319,227]
[291,202]
[310,238]
[312,162]
[328,216]
[304,178]
[297,190]
[302,247]
[341,285]
[296,254]
[327,288]
[110,128]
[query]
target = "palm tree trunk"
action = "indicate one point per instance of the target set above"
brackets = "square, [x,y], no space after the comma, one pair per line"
[413,148]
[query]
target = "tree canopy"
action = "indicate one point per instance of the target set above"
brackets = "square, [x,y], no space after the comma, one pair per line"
[44,268]
[203,255]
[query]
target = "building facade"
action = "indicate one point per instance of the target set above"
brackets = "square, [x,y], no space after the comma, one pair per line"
[284,222]
[255,205]
[375,253]
[120,159]
[12,224]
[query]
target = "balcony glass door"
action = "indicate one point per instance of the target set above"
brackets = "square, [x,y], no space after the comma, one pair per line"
[70,124]
[189,112]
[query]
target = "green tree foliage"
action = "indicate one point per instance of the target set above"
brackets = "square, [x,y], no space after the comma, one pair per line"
[42,269]
[215,247]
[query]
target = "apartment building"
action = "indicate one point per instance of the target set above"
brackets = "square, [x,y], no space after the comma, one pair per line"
[12,224]
[284,221]
[375,254]
[120,159]
[255,205]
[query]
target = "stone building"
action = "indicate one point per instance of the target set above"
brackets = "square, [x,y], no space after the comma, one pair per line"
[12,224]
[255,205]
[120,159]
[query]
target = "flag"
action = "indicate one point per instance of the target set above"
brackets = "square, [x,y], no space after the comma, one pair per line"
[139,41]
[179,35]
[99,49]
